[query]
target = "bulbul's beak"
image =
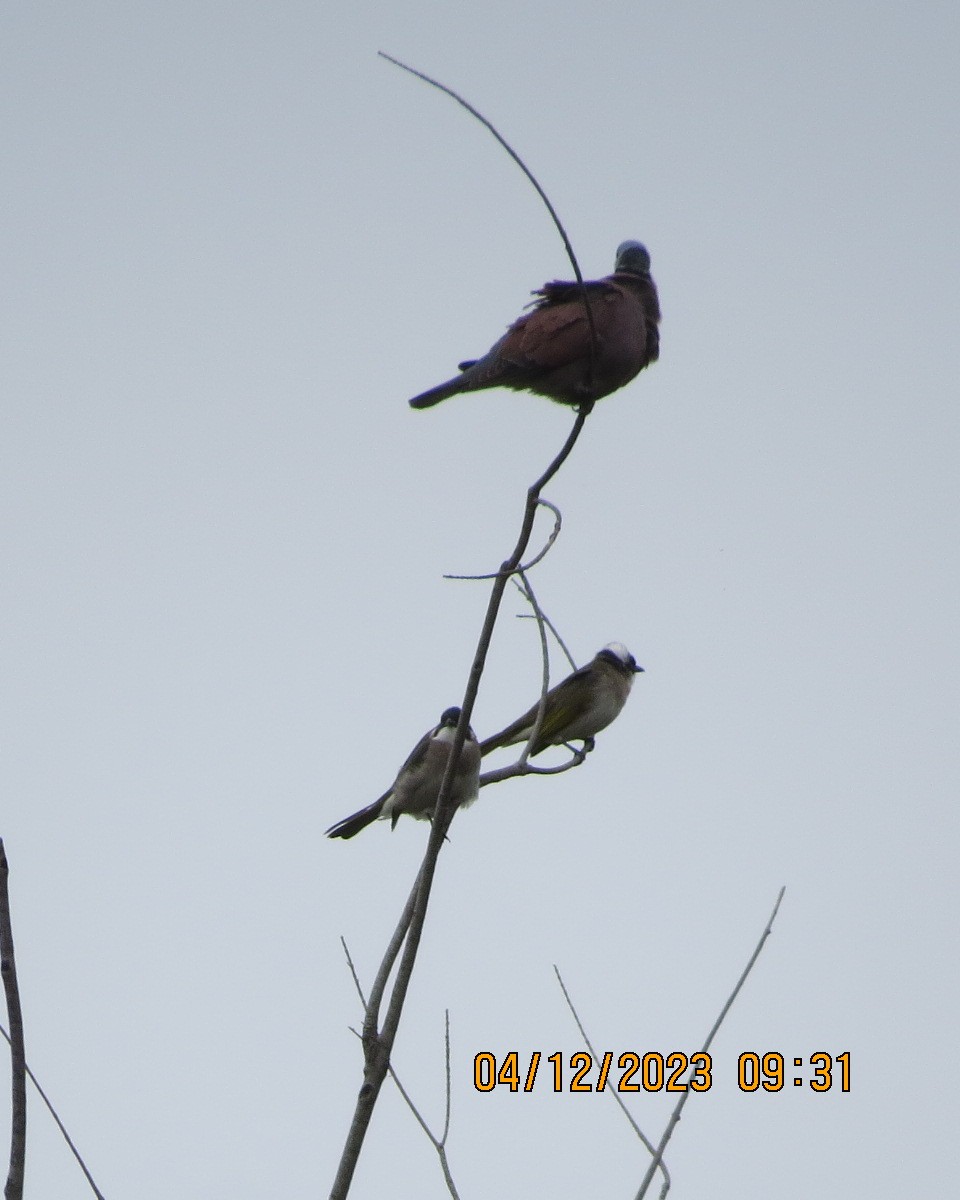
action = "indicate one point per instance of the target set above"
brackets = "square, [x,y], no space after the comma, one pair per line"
[637,669]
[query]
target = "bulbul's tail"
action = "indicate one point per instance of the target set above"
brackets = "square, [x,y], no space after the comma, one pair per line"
[519,731]
[350,826]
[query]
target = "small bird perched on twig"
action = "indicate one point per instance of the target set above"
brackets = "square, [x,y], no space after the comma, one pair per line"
[550,350]
[417,785]
[579,706]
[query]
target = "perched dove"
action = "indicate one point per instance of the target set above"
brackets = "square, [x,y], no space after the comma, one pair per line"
[548,350]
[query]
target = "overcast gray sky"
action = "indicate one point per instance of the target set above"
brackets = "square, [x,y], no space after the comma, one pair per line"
[234,242]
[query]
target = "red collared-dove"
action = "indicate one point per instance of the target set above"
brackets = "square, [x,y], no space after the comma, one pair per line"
[548,350]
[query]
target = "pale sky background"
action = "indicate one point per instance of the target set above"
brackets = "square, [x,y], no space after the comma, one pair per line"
[234,242]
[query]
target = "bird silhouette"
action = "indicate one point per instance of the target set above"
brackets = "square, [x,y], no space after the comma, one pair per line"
[579,706]
[417,785]
[550,351]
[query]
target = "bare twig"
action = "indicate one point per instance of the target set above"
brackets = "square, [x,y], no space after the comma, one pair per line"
[446,1060]
[517,770]
[768,929]
[60,1125]
[538,557]
[550,625]
[353,971]
[555,533]
[18,1061]
[678,1109]
[439,1144]
[539,190]
[506,145]
[372,1018]
[522,765]
[527,590]
[612,1090]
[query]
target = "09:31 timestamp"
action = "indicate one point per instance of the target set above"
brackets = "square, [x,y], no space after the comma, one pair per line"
[770,1072]
[655,1072]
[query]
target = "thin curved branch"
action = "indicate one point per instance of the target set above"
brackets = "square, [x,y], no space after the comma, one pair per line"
[506,145]
[542,554]
[521,766]
[527,589]
[533,180]
[517,770]
[557,523]
[550,625]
